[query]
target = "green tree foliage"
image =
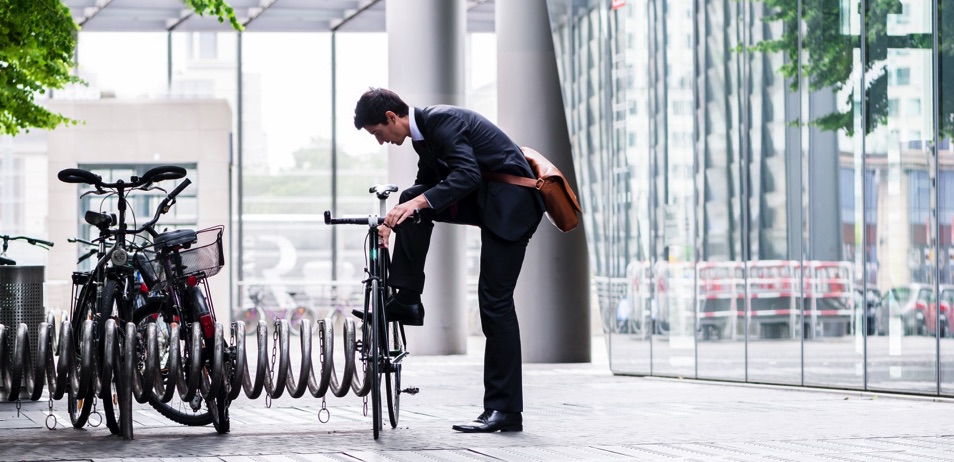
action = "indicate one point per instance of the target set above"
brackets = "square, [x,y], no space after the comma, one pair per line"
[37,38]
[829,57]
[217,8]
[37,43]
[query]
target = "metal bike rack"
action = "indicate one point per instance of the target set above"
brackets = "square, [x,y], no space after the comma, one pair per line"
[26,370]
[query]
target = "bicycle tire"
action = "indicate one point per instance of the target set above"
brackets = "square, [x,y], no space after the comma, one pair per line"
[375,359]
[114,413]
[175,410]
[80,407]
[392,378]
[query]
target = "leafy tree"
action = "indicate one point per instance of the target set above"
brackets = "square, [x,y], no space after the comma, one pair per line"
[830,57]
[37,45]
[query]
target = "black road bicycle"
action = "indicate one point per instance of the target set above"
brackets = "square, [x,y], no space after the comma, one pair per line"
[385,347]
[152,284]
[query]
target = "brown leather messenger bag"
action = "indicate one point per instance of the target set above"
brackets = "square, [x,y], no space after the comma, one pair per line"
[563,209]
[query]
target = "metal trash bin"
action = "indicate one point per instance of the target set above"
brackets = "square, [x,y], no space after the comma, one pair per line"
[21,301]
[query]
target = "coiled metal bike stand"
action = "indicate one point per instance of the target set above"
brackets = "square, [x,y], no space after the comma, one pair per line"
[127,360]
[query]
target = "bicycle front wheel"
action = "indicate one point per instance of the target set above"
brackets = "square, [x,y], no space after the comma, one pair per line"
[80,398]
[392,376]
[376,357]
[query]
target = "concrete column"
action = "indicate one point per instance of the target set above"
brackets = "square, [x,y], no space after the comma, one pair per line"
[426,67]
[553,302]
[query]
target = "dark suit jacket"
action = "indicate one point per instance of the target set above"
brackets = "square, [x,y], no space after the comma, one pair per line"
[458,145]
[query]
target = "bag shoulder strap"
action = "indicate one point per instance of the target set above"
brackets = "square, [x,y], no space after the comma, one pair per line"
[512,179]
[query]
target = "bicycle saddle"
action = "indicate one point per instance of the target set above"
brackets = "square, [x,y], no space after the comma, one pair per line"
[174,238]
[383,190]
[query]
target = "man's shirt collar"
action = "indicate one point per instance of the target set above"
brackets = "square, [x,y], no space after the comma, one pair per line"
[415,132]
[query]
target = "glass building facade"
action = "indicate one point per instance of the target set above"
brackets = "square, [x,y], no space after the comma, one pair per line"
[768,186]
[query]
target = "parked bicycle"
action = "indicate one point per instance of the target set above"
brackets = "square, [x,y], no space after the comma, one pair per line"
[170,268]
[383,345]
[284,306]
[4,260]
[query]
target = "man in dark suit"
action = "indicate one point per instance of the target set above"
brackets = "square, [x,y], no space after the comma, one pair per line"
[454,147]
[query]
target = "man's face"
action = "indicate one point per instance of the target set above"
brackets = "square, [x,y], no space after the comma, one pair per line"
[388,132]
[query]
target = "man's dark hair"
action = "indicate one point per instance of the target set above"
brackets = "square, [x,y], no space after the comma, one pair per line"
[374,103]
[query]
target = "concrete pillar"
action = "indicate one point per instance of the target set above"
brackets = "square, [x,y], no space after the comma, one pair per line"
[553,302]
[426,67]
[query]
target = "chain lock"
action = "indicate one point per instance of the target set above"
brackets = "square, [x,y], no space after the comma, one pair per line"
[324,412]
[48,417]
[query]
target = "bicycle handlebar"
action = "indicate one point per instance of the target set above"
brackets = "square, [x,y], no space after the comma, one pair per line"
[76,175]
[161,173]
[182,186]
[368,220]
[30,240]
[163,208]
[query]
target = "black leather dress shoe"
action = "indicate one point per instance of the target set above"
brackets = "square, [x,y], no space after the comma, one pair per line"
[410,315]
[492,421]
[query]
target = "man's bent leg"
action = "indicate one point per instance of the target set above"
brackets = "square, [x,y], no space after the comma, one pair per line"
[410,248]
[500,263]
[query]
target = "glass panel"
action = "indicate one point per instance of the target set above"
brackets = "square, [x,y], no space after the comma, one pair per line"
[900,248]
[831,274]
[633,315]
[945,154]
[286,168]
[671,63]
[720,272]
[599,57]
[362,62]
[774,189]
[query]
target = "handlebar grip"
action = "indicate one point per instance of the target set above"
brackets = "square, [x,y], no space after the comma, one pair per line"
[327,217]
[41,242]
[162,172]
[179,189]
[77,175]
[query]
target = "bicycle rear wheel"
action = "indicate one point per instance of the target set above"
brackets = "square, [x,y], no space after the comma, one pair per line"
[189,413]
[392,376]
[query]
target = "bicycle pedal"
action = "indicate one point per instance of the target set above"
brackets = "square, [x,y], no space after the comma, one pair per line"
[411,390]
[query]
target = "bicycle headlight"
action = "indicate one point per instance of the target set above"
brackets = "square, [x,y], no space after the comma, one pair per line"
[119,257]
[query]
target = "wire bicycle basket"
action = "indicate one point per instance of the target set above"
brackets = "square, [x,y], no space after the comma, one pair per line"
[204,257]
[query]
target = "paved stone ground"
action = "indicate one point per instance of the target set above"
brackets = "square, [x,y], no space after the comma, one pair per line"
[577,412]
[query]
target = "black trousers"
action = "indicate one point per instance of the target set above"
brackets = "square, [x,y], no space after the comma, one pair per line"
[500,264]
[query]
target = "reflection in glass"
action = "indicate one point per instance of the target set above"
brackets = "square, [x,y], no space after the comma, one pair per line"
[835,212]
[900,250]
[945,156]
[720,272]
[770,227]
